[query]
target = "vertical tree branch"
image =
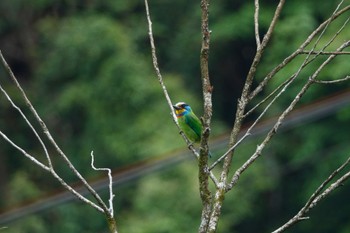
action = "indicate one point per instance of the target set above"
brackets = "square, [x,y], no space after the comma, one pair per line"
[242,103]
[204,171]
[256,23]
[220,192]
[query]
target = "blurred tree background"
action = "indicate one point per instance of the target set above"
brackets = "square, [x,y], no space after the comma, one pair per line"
[87,68]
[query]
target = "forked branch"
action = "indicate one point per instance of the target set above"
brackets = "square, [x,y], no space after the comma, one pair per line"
[101,206]
[317,196]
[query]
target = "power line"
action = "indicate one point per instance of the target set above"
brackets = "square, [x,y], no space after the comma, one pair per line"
[312,112]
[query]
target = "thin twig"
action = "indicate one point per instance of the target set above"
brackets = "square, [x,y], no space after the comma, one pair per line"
[229,150]
[317,196]
[281,118]
[31,158]
[7,67]
[53,142]
[160,79]
[155,62]
[256,24]
[333,81]
[307,61]
[270,134]
[248,132]
[52,171]
[324,53]
[165,91]
[75,193]
[268,96]
[287,60]
[260,50]
[339,30]
[109,171]
[243,101]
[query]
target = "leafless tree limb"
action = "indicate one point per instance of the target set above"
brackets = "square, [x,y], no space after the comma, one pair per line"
[317,196]
[229,150]
[273,131]
[160,79]
[101,207]
[212,204]
[220,192]
[287,60]
[31,158]
[256,23]
[333,81]
[165,91]
[324,53]
[203,171]
[110,183]
[245,93]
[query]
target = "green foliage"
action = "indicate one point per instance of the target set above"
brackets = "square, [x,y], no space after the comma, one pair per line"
[87,69]
[21,188]
[168,207]
[112,105]
[28,225]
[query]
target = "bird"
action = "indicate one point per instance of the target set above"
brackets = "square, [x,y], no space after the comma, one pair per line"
[188,121]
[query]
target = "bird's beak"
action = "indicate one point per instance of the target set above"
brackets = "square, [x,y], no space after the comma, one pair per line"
[176,107]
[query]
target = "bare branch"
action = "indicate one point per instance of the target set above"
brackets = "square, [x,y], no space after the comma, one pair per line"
[260,51]
[165,91]
[256,24]
[324,53]
[307,61]
[57,148]
[339,30]
[271,133]
[155,62]
[109,171]
[30,157]
[7,67]
[333,81]
[160,79]
[287,60]
[75,193]
[242,103]
[203,170]
[281,118]
[229,150]
[317,196]
[51,170]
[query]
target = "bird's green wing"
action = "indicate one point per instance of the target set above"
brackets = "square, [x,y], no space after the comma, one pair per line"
[195,124]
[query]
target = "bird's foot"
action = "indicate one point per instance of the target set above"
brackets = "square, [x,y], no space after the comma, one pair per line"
[190,145]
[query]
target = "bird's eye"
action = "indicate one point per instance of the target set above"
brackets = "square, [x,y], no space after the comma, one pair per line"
[184,106]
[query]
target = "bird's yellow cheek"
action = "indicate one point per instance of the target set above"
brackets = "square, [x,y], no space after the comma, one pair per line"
[178,112]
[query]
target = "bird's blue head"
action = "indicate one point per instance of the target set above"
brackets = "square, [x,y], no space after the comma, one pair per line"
[181,109]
